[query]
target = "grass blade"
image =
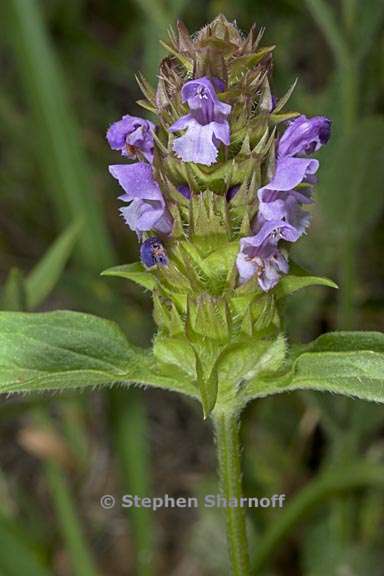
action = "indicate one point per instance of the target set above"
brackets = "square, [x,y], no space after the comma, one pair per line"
[47,272]
[131,430]
[58,142]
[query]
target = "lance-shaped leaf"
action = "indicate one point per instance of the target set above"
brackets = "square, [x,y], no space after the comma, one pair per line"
[64,350]
[298,279]
[349,363]
[135,272]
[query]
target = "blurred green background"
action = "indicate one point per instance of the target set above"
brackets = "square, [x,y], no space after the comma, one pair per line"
[68,71]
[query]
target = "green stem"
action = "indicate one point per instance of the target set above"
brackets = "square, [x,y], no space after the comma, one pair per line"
[329,484]
[228,450]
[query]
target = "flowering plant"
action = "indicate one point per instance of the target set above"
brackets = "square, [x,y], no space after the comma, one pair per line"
[217,192]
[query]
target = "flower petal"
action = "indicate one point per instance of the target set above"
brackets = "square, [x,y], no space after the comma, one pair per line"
[304,136]
[181,123]
[197,144]
[132,134]
[273,231]
[137,181]
[143,215]
[266,261]
[290,172]
[221,132]
[275,205]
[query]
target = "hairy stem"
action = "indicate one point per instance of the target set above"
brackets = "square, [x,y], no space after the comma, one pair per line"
[228,450]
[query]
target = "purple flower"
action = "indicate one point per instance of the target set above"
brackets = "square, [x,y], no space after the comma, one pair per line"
[147,209]
[260,255]
[303,136]
[206,125]
[272,231]
[152,253]
[286,206]
[131,136]
[265,261]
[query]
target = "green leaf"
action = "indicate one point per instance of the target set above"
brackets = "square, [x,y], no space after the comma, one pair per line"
[13,296]
[299,279]
[345,341]
[135,272]
[178,352]
[47,272]
[349,363]
[64,350]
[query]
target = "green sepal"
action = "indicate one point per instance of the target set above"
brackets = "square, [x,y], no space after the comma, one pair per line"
[265,103]
[251,286]
[208,215]
[245,228]
[146,105]
[161,313]
[284,99]
[247,323]
[208,316]
[184,60]
[244,63]
[210,61]
[264,312]
[259,315]
[135,272]
[176,324]
[148,90]
[208,386]
[177,228]
[172,279]
[220,262]
[279,118]
[298,279]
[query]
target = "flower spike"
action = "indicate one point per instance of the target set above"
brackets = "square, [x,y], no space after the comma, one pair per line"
[217,190]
